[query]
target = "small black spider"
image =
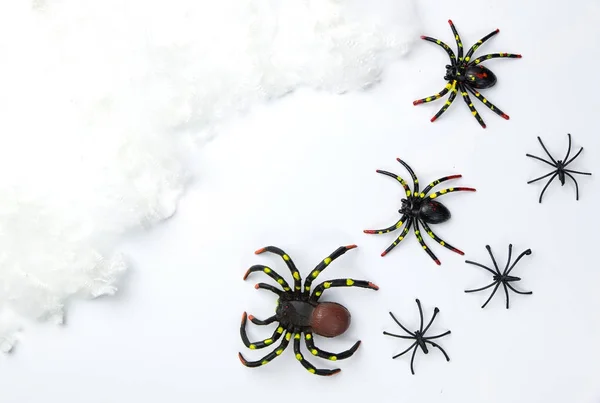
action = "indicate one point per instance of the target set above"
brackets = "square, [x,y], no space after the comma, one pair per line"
[420,208]
[501,278]
[465,75]
[299,311]
[419,337]
[560,170]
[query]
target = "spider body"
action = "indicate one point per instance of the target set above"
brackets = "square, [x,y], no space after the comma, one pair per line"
[466,74]
[420,208]
[299,311]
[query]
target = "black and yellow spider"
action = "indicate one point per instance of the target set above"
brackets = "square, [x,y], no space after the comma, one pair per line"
[420,208]
[464,74]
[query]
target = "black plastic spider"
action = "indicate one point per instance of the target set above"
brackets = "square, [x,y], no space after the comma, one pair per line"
[420,208]
[419,337]
[465,75]
[501,278]
[560,170]
[299,311]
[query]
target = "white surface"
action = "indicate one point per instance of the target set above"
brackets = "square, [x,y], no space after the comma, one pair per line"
[299,174]
[111,99]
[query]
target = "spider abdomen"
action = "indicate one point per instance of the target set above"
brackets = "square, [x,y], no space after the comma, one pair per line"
[480,77]
[433,212]
[330,319]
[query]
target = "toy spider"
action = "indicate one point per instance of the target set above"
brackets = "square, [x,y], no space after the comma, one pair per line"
[420,208]
[560,170]
[419,337]
[501,278]
[299,311]
[465,75]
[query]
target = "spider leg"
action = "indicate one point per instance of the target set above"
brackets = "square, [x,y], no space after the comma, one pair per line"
[437,182]
[469,103]
[509,257]
[440,348]
[412,360]
[388,229]
[400,237]
[269,357]
[482,288]
[289,263]
[506,292]
[572,159]
[399,179]
[487,103]
[435,312]
[576,185]
[438,239]
[269,287]
[519,292]
[405,351]
[478,44]
[269,272]
[260,344]
[459,44]
[400,324]
[422,242]
[265,322]
[438,336]
[546,150]
[578,172]
[327,355]
[444,108]
[494,56]
[569,148]
[444,46]
[311,368]
[413,176]
[348,282]
[489,249]
[450,190]
[542,177]
[323,265]
[493,292]
[541,159]
[546,187]
[420,315]
[399,336]
[482,266]
[526,252]
[434,97]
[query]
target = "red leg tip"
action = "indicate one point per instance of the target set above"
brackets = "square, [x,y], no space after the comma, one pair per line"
[438,262]
[244,316]
[455,176]
[251,317]
[450,22]
[484,126]
[497,30]
[373,286]
[242,359]
[383,253]
[519,56]
[335,371]
[351,247]
[256,286]
[261,250]
[369,231]
[417,102]
[505,116]
[246,274]
[423,37]
[460,252]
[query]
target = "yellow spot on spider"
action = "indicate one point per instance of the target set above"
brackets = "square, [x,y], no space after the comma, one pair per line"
[280,281]
[485,101]
[265,362]
[349,282]
[308,336]
[326,284]
[427,99]
[474,113]
[299,357]
[286,288]
[438,42]
[380,232]
[408,192]
[400,238]
[268,341]
[278,352]
[333,358]
[422,195]
[416,181]
[307,288]
[451,189]
[314,351]
[296,275]
[417,232]
[442,243]
[267,270]
[311,370]
[280,330]
[433,195]
[477,61]
[286,257]
[327,260]
[448,86]
[318,293]
[467,59]
[297,336]
[252,347]
[424,246]
[288,336]
[399,224]
[298,287]
[443,191]
[315,273]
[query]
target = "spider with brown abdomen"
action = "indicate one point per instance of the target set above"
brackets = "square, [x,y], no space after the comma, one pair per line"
[300,312]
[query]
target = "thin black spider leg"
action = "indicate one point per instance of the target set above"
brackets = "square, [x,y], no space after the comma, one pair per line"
[259,344]
[288,262]
[440,240]
[487,103]
[322,266]
[478,44]
[269,287]
[444,46]
[542,177]
[399,179]
[489,249]
[440,348]
[519,292]
[400,237]
[435,97]
[437,182]
[458,41]
[309,367]
[576,185]
[260,322]
[545,149]
[269,357]
[572,159]
[438,336]
[413,176]
[435,312]
[451,99]
[483,58]
[506,292]
[569,148]
[469,103]
[326,354]
[509,257]
[388,229]
[525,252]
[269,272]
[400,324]
[577,172]
[425,247]
[412,360]
[406,351]
[541,159]
[491,295]
[482,266]
[398,336]
[420,315]
[547,184]
[482,288]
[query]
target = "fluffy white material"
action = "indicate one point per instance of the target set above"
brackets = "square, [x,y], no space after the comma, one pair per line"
[99,101]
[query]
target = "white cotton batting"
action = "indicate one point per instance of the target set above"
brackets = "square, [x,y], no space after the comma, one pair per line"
[99,101]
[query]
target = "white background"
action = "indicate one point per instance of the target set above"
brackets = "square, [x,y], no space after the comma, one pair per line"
[300,174]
